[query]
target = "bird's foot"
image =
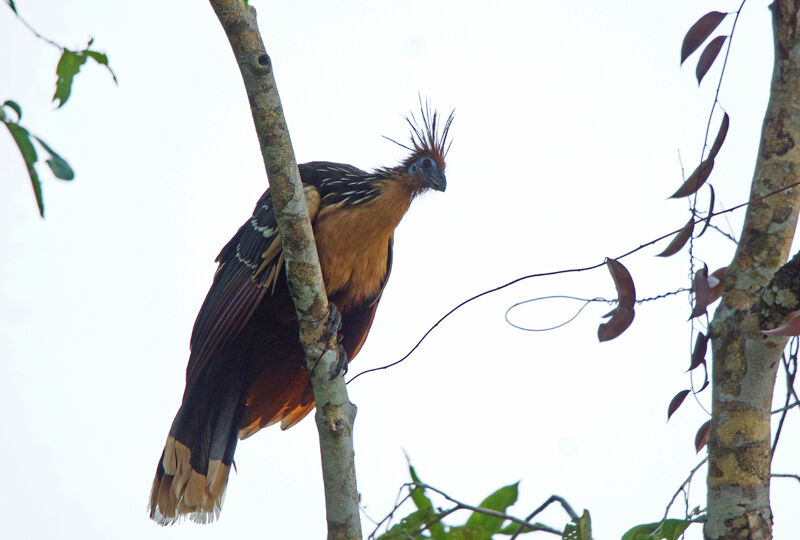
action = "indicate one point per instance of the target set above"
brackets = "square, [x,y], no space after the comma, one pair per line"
[333,329]
[334,324]
[332,333]
[340,367]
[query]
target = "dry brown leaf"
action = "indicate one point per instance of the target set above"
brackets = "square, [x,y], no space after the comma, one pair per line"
[789,327]
[708,56]
[699,351]
[679,241]
[695,180]
[710,211]
[676,402]
[701,291]
[723,131]
[622,315]
[715,283]
[699,32]
[701,439]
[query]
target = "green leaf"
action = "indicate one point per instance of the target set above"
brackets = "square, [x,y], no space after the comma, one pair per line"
[497,501]
[466,532]
[11,5]
[98,57]
[418,494]
[579,529]
[641,532]
[512,528]
[410,526]
[23,140]
[68,66]
[669,529]
[101,59]
[422,502]
[17,109]
[58,165]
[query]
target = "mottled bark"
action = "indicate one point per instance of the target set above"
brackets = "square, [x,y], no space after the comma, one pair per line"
[745,361]
[335,414]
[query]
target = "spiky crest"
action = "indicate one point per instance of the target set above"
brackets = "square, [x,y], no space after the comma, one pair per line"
[426,138]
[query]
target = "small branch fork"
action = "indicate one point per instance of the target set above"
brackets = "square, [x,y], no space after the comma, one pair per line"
[684,488]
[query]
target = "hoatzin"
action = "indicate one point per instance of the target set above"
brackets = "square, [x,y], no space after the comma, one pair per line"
[247,368]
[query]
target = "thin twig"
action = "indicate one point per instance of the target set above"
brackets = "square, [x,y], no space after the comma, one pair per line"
[586,302]
[560,272]
[683,485]
[525,524]
[721,75]
[786,408]
[439,517]
[790,367]
[487,511]
[37,34]
[777,475]
[553,498]
[727,235]
[388,519]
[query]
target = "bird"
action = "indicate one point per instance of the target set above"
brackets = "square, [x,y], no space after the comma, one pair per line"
[246,367]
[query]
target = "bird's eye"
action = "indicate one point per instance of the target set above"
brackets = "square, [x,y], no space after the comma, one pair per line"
[427,163]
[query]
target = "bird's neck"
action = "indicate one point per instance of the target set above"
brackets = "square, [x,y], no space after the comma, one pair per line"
[354,245]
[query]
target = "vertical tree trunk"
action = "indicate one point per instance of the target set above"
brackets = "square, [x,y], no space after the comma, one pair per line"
[745,361]
[335,414]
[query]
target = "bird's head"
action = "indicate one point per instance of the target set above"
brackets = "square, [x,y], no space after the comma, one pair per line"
[429,146]
[427,173]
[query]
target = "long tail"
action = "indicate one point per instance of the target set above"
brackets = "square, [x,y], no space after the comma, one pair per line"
[193,470]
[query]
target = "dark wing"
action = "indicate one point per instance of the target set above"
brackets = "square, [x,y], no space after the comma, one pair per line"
[250,264]
[249,267]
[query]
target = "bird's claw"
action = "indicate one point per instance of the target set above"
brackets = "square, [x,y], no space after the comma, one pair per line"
[340,367]
[334,324]
[333,329]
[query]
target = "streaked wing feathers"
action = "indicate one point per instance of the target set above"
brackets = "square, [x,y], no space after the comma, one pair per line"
[249,267]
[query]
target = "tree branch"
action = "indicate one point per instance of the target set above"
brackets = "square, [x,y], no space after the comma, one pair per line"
[335,414]
[745,360]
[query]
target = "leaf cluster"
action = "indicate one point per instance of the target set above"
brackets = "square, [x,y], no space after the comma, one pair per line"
[68,67]
[486,521]
[70,64]
[24,140]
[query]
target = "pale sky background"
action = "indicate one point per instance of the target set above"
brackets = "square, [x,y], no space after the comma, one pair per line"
[570,117]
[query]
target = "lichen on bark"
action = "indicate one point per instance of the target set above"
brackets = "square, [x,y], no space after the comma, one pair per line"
[756,297]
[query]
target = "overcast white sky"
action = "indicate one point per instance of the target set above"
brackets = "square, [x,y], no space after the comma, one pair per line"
[570,117]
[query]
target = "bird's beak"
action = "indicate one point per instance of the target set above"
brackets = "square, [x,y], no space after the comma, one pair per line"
[436,180]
